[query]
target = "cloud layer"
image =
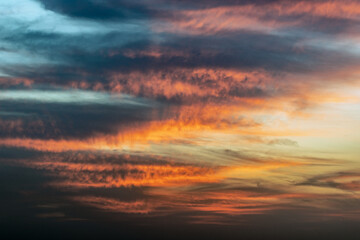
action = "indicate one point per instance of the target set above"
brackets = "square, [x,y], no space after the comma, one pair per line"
[199,112]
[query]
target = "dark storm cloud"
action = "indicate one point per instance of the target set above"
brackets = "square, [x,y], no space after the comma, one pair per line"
[119,9]
[61,47]
[98,9]
[125,9]
[87,60]
[67,120]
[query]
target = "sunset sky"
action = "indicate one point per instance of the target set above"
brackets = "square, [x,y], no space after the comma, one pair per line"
[173,118]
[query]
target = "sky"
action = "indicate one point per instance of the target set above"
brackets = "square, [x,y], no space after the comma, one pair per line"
[169,118]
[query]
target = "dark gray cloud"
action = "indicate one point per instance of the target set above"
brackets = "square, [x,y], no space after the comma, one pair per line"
[99,10]
[125,9]
[344,180]
[242,50]
[80,61]
[26,118]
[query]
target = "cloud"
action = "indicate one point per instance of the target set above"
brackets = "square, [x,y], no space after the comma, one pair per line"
[286,142]
[113,205]
[134,183]
[345,180]
[98,10]
[323,16]
[46,115]
[126,171]
[151,108]
[181,56]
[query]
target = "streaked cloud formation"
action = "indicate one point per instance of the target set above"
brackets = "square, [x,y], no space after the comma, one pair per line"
[208,110]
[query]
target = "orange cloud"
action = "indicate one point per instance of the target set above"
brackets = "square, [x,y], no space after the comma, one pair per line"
[7,82]
[84,174]
[112,175]
[183,123]
[258,18]
[191,85]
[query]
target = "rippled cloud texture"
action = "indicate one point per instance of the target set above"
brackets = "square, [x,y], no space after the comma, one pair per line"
[196,115]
